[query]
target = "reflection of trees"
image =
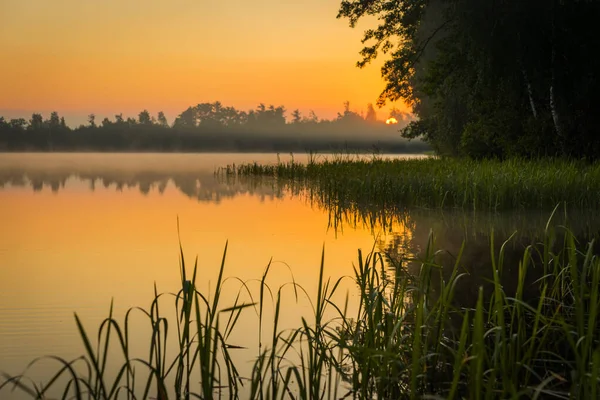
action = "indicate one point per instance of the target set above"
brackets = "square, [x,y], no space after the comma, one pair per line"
[202,186]
[404,234]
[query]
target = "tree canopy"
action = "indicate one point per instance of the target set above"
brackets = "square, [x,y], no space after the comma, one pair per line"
[489,78]
[209,127]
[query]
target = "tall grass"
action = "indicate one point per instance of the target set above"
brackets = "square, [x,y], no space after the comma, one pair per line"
[347,181]
[410,336]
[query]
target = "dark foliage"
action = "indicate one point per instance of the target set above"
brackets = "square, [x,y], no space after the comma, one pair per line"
[489,78]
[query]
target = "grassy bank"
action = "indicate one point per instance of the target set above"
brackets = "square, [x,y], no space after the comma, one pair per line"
[346,182]
[412,336]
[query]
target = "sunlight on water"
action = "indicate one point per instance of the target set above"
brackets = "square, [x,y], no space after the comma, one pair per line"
[82,229]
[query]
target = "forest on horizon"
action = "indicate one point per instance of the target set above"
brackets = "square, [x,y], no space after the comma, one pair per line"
[209,127]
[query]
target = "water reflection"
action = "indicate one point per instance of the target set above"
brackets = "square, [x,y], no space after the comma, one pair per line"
[73,258]
[198,182]
[404,233]
[87,243]
[470,240]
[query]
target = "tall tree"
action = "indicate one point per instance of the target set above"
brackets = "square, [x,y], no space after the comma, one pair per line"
[144,118]
[36,122]
[162,120]
[490,79]
[187,118]
[371,113]
[296,117]
[54,121]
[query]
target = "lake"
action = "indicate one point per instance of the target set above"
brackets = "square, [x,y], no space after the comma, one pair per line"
[82,229]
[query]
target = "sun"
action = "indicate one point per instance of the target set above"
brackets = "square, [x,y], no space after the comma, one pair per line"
[391,121]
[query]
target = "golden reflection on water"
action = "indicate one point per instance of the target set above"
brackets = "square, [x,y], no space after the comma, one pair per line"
[72,249]
[82,229]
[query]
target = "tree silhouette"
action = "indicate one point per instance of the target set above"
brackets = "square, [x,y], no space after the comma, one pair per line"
[371,114]
[205,127]
[18,123]
[144,118]
[36,122]
[54,121]
[296,117]
[489,79]
[187,118]
[162,120]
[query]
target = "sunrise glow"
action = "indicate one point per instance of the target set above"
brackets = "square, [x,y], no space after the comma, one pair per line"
[79,57]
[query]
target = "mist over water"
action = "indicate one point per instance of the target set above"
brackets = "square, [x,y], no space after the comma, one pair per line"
[82,229]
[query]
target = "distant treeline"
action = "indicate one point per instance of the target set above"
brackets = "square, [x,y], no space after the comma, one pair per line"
[212,127]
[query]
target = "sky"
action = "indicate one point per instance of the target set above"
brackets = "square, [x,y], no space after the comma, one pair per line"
[111,56]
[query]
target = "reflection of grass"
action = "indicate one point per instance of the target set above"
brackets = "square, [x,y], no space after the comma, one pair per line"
[442,183]
[409,337]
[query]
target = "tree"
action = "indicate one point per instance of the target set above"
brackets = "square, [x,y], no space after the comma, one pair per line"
[400,22]
[229,116]
[489,79]
[36,122]
[186,118]
[271,116]
[92,120]
[296,117]
[312,117]
[162,120]
[144,118]
[18,123]
[208,114]
[371,114]
[349,116]
[54,121]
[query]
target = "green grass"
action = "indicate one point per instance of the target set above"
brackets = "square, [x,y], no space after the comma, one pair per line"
[348,182]
[410,336]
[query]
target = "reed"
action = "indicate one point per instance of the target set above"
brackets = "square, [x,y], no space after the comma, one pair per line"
[411,337]
[492,185]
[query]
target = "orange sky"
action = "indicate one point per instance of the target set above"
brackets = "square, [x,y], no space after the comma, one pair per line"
[110,56]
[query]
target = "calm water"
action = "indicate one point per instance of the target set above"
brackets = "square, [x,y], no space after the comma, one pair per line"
[82,229]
